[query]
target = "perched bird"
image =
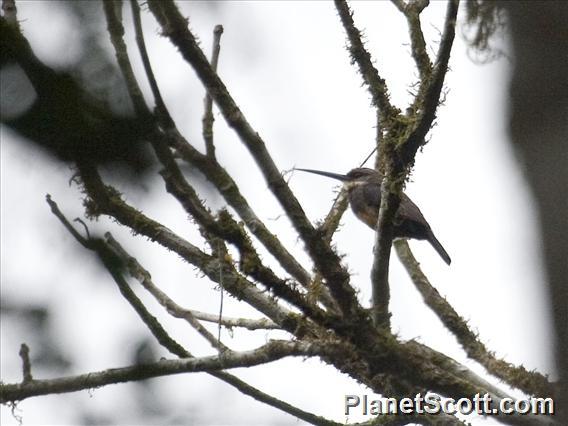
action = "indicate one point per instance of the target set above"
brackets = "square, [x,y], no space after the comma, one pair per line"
[364,191]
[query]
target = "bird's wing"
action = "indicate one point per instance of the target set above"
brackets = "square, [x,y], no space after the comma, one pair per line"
[408,210]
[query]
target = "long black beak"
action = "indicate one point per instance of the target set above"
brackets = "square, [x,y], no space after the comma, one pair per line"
[337,176]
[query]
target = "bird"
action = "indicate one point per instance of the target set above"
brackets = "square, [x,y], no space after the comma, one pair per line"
[364,192]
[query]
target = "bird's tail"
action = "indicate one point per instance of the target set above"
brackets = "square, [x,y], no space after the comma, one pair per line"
[438,247]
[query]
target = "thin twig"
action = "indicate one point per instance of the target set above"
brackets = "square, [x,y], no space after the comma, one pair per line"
[70,228]
[116,31]
[227,228]
[208,118]
[138,272]
[230,322]
[26,364]
[105,201]
[221,296]
[161,109]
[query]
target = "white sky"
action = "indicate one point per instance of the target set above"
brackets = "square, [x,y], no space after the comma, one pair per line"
[286,65]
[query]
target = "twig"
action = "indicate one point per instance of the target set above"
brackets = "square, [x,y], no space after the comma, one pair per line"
[161,109]
[221,295]
[208,118]
[138,272]
[186,195]
[143,277]
[530,382]
[55,210]
[105,201]
[229,322]
[26,364]
[331,222]
[116,31]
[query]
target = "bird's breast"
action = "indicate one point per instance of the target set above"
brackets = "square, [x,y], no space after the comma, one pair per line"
[365,204]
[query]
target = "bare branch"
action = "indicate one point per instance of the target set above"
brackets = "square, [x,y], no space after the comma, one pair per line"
[161,109]
[246,389]
[381,256]
[412,12]
[333,217]
[213,171]
[272,351]
[376,85]
[116,31]
[106,201]
[228,188]
[429,96]
[57,213]
[174,347]
[138,272]
[398,157]
[26,364]
[530,382]
[174,26]
[208,118]
[227,228]
[229,322]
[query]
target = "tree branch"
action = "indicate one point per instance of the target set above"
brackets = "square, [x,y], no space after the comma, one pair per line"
[426,103]
[228,188]
[272,351]
[376,85]
[208,118]
[381,256]
[116,31]
[26,364]
[161,109]
[104,200]
[268,239]
[162,336]
[412,11]
[530,382]
[174,26]
[138,272]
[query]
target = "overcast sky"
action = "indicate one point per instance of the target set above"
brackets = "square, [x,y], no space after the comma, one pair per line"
[286,65]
